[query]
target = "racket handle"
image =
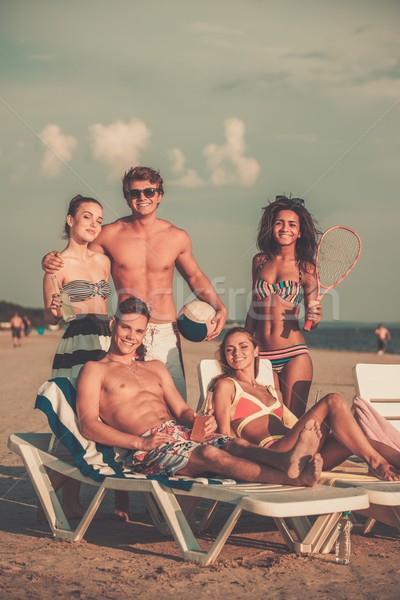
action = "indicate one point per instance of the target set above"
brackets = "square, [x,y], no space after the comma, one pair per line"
[307,325]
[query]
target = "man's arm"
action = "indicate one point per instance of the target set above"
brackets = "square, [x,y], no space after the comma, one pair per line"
[200,284]
[52,262]
[89,390]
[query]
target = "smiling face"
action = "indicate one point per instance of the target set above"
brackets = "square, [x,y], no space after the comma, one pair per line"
[239,351]
[286,228]
[144,197]
[127,333]
[86,223]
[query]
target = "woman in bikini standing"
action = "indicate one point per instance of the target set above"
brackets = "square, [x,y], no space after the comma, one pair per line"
[284,276]
[84,278]
[256,414]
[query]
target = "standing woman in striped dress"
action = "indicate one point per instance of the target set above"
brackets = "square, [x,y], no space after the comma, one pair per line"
[84,278]
[284,277]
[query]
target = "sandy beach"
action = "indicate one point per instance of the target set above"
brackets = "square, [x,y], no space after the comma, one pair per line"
[132,559]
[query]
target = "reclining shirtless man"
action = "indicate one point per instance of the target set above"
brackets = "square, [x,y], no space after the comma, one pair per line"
[141,410]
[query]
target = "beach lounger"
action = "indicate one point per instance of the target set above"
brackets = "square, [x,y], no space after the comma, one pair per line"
[380,385]
[102,467]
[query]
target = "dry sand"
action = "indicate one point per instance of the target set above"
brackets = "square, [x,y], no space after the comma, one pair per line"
[133,560]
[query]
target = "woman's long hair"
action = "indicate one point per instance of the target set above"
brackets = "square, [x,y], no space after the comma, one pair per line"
[306,245]
[227,371]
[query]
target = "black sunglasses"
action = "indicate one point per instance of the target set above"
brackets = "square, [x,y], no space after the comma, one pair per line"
[294,200]
[147,192]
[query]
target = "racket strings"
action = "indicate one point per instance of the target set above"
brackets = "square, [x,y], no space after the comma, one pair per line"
[338,252]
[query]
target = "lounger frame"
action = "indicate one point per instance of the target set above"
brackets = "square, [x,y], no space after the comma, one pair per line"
[172,510]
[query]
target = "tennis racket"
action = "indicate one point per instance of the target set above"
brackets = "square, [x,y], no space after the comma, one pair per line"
[338,251]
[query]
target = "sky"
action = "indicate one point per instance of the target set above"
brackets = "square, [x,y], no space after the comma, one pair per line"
[234,101]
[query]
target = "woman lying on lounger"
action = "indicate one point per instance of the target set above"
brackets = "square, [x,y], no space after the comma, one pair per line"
[255,413]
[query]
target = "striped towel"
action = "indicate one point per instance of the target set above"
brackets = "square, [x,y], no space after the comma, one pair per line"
[56,398]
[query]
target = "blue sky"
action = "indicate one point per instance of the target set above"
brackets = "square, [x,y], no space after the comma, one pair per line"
[234,101]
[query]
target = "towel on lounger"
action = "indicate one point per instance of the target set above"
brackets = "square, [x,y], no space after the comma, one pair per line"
[373,425]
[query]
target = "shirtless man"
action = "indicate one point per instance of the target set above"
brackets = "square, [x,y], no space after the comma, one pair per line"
[136,401]
[17,325]
[144,251]
[383,337]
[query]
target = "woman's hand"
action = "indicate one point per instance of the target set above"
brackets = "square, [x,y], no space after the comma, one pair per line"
[55,305]
[314,313]
[210,425]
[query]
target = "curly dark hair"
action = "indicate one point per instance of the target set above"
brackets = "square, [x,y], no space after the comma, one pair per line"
[141,174]
[306,245]
[227,371]
[134,306]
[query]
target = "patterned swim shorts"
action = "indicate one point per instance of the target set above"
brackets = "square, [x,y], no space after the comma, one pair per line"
[169,458]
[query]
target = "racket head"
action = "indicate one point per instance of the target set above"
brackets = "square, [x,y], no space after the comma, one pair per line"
[338,251]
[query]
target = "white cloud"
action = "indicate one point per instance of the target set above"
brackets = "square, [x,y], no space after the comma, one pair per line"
[178,160]
[119,145]
[190,178]
[59,149]
[227,163]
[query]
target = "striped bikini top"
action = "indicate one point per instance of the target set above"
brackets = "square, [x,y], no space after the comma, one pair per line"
[80,290]
[290,291]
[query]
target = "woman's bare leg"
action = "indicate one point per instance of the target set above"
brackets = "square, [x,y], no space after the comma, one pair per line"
[207,458]
[333,414]
[293,462]
[295,382]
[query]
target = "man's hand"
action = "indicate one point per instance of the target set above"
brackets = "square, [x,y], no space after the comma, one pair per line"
[52,262]
[314,313]
[219,321]
[152,441]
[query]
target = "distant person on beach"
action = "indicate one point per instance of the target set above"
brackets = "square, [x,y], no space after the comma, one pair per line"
[17,326]
[284,277]
[124,402]
[144,252]
[27,325]
[256,413]
[383,337]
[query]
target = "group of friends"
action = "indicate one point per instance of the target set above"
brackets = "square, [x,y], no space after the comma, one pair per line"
[131,388]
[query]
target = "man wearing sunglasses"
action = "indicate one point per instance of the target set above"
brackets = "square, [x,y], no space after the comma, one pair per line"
[144,252]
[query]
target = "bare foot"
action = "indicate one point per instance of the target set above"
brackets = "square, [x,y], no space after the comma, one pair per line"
[119,515]
[384,471]
[312,472]
[304,449]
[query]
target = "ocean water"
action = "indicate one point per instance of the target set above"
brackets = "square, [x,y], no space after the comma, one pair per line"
[354,337]
[358,338]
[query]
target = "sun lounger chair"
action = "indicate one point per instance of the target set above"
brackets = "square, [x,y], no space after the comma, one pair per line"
[102,467]
[380,386]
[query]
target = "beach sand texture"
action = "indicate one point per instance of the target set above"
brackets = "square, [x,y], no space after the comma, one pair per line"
[133,560]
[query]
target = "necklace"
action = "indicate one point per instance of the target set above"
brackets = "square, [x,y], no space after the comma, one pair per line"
[254,385]
[131,366]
